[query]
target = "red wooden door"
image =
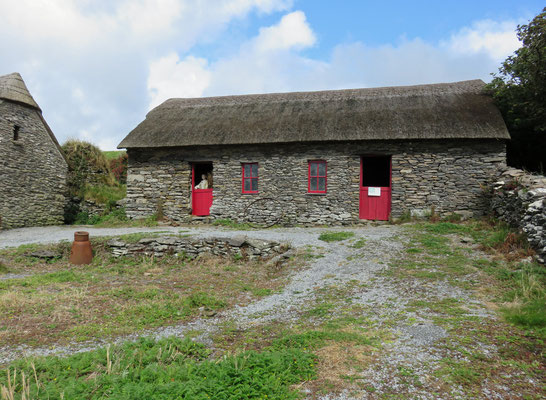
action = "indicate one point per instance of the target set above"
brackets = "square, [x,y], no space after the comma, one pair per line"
[201,199]
[375,188]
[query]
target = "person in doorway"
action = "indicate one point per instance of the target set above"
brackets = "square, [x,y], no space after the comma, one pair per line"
[204,184]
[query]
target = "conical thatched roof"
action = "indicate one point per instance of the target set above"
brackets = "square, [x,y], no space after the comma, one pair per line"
[12,87]
[457,110]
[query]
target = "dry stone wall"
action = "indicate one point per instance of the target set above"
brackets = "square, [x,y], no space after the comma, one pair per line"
[32,170]
[519,199]
[445,175]
[241,246]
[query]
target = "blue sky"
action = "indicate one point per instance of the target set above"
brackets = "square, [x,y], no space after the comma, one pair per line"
[96,67]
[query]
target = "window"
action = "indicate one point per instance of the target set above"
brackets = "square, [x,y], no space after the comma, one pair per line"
[250,177]
[317,177]
[16,132]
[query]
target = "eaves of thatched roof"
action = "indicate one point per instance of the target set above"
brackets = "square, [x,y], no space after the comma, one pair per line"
[459,110]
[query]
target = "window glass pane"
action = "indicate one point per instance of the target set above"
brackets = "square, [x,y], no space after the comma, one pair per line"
[254,185]
[322,169]
[247,169]
[247,185]
[254,169]
[313,185]
[321,184]
[313,169]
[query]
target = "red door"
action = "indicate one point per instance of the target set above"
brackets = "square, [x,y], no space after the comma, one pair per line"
[375,188]
[201,199]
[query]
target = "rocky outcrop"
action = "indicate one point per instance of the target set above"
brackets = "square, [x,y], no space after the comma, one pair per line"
[519,199]
[241,246]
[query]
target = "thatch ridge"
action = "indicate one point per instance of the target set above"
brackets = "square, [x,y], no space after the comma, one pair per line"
[459,110]
[13,88]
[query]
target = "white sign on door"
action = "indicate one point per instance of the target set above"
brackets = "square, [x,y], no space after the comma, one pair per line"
[374,191]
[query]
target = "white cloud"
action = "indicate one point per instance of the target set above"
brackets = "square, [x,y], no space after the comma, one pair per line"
[172,77]
[496,39]
[272,61]
[95,66]
[86,62]
[292,32]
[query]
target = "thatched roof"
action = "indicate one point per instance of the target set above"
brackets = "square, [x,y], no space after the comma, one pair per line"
[12,87]
[457,110]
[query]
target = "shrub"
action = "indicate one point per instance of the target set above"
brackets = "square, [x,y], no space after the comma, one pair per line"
[118,166]
[86,165]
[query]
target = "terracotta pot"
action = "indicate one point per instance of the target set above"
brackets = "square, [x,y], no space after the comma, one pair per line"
[81,249]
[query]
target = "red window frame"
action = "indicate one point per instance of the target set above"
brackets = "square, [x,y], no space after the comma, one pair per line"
[249,178]
[317,176]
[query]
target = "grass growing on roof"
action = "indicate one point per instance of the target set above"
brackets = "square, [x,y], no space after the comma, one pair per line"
[166,368]
[335,236]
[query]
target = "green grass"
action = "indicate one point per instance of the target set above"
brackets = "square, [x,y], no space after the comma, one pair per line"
[228,223]
[105,194]
[115,218]
[360,243]
[520,288]
[335,236]
[169,368]
[3,268]
[110,155]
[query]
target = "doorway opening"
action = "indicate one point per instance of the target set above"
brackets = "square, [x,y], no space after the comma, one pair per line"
[201,188]
[375,187]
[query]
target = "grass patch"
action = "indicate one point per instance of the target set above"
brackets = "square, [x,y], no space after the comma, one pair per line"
[228,223]
[114,218]
[335,236]
[112,155]
[167,368]
[58,301]
[3,269]
[360,243]
[105,194]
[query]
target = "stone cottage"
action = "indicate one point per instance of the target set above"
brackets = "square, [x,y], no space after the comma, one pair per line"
[328,157]
[33,170]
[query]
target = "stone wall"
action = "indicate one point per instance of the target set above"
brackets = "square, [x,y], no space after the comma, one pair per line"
[191,247]
[519,199]
[32,170]
[446,175]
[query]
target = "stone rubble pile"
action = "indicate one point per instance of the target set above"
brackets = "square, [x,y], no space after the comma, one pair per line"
[519,199]
[241,246]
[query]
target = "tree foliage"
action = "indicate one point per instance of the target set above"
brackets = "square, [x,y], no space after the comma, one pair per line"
[519,90]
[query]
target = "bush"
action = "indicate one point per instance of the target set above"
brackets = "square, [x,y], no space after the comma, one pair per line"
[118,166]
[86,165]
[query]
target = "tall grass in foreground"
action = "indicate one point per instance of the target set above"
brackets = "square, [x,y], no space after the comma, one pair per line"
[170,368]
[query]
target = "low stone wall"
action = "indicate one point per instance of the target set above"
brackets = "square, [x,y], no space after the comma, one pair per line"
[519,199]
[241,246]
